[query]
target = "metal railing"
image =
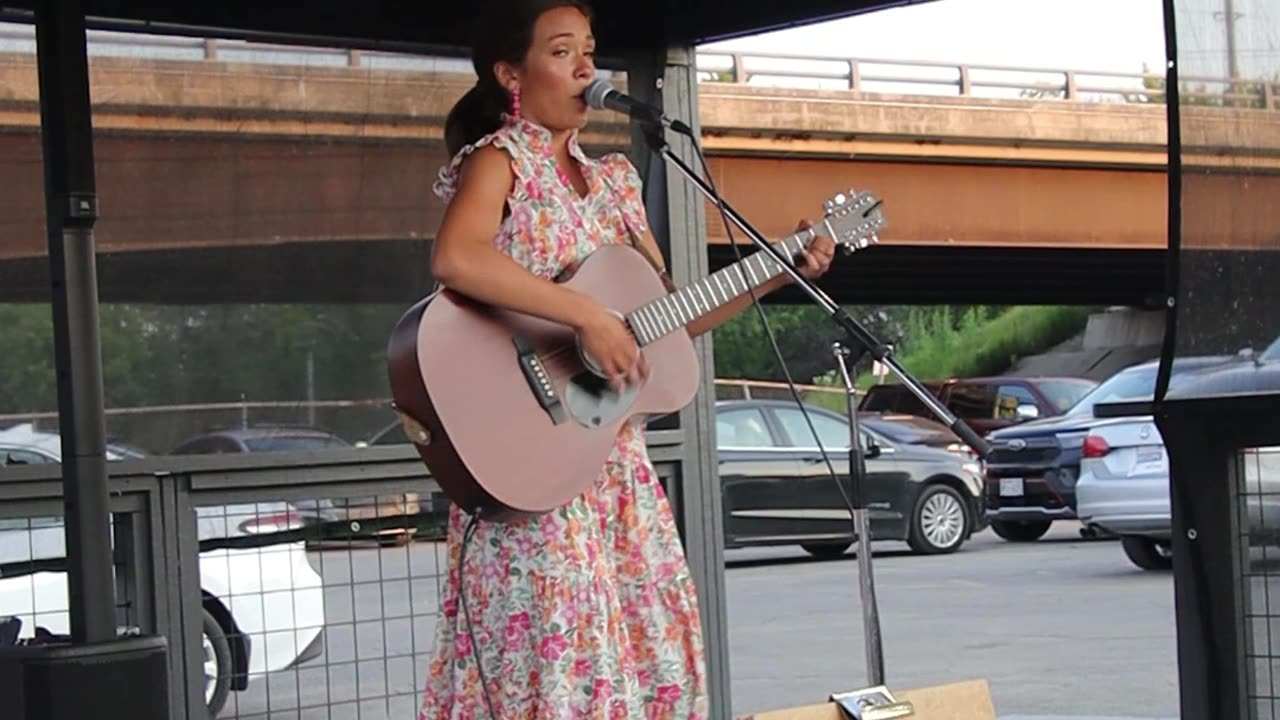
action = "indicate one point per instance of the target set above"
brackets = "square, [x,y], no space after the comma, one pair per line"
[287,584]
[863,75]
[971,80]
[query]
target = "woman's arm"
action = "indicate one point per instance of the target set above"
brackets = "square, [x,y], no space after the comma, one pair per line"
[464,260]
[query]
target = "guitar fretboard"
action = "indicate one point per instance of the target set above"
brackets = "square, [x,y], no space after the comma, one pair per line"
[676,310]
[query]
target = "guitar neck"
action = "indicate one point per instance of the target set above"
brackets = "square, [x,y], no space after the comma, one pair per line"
[680,308]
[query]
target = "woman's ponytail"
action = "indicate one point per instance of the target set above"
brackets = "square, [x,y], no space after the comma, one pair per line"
[476,114]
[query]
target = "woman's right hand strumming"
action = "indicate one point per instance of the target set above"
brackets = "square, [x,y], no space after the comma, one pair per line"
[606,339]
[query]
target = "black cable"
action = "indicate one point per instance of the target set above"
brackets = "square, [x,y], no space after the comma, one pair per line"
[462,599]
[764,320]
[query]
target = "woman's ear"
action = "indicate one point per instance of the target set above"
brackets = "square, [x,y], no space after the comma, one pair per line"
[507,75]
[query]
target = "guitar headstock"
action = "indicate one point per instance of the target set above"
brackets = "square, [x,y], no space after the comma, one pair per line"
[854,219]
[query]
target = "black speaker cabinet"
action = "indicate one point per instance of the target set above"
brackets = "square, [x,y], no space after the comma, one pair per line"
[125,679]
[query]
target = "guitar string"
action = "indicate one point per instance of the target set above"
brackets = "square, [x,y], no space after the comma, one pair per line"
[559,351]
[566,348]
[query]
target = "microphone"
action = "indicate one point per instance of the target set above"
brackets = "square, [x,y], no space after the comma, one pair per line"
[603,96]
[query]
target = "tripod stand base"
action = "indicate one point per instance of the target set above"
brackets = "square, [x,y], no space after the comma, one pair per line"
[963,700]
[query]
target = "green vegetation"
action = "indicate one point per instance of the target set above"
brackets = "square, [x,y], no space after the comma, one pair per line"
[930,342]
[157,355]
[942,345]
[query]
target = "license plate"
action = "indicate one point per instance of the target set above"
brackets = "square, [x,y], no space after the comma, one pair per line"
[1011,487]
[1150,454]
[1150,460]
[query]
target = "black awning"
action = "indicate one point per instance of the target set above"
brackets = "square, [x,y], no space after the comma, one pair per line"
[621,25]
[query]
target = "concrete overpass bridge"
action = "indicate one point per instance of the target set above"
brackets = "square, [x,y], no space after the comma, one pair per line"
[226,168]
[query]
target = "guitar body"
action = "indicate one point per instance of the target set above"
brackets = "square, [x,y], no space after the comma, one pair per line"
[476,409]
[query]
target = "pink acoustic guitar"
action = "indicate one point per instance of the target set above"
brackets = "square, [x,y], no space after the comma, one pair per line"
[508,413]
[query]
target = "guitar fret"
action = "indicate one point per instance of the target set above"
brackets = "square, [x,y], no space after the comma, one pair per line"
[722,293]
[755,282]
[692,293]
[672,311]
[633,322]
[704,297]
[766,265]
[646,314]
[688,310]
[644,326]
[690,301]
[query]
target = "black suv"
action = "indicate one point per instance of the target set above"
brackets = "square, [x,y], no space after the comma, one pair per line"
[1031,471]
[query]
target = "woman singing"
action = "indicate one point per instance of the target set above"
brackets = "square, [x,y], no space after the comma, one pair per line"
[588,611]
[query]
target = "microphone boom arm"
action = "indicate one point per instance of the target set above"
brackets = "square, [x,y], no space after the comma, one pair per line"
[859,336]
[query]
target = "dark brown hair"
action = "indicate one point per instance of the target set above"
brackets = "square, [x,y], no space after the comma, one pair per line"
[504,35]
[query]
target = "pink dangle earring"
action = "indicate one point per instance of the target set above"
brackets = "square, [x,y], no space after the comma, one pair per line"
[515,104]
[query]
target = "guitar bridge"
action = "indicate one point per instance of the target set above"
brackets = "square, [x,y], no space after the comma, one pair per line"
[535,373]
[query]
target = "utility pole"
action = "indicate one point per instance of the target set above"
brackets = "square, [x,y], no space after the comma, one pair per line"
[1229,13]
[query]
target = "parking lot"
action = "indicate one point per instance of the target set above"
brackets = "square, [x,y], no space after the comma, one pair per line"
[1062,627]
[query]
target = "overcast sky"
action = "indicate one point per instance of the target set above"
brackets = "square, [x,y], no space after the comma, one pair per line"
[1118,35]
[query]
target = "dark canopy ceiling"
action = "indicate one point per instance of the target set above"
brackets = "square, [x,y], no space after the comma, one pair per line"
[621,24]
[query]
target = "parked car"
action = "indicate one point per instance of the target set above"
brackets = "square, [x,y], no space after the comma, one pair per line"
[1124,474]
[777,489]
[1255,374]
[1032,469]
[1124,490]
[263,608]
[387,518]
[984,403]
[915,430]
[22,444]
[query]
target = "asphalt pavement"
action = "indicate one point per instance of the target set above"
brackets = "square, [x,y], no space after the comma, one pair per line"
[1061,629]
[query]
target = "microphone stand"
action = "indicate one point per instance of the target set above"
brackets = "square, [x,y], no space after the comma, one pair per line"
[861,525]
[859,337]
[860,341]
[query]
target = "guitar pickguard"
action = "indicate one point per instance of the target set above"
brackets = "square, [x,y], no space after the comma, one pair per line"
[592,403]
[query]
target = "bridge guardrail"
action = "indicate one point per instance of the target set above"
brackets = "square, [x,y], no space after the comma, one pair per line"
[865,75]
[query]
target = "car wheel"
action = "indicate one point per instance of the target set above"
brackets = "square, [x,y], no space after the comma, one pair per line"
[1021,530]
[1146,553]
[826,550]
[939,523]
[217,664]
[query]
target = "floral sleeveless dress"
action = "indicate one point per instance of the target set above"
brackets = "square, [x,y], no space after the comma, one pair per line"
[588,611]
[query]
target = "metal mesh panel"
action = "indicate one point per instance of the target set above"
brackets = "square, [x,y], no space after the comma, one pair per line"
[1258,474]
[34,600]
[338,605]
